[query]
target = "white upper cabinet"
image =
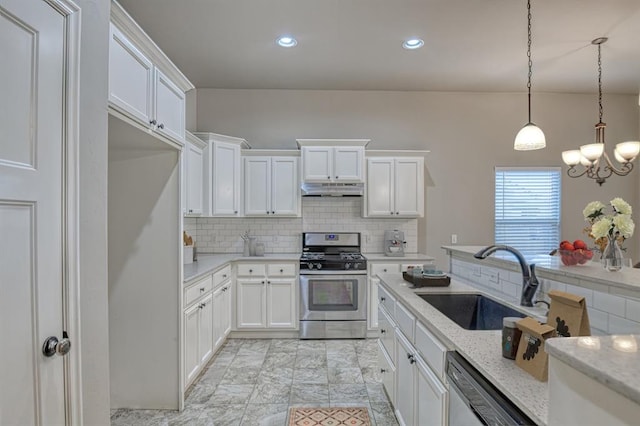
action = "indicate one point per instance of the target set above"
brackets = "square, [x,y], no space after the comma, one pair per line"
[395,187]
[192,176]
[222,178]
[332,160]
[144,85]
[271,186]
[130,77]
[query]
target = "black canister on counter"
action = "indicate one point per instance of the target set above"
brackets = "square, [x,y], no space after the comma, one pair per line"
[510,337]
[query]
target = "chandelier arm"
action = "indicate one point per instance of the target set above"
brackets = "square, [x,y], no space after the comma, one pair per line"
[624,170]
[573,172]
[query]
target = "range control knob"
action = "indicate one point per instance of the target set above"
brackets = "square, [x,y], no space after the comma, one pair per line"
[318,265]
[347,265]
[357,265]
[310,265]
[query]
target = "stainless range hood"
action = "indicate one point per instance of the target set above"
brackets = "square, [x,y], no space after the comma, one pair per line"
[332,189]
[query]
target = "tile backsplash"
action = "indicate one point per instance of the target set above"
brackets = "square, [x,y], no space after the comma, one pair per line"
[284,235]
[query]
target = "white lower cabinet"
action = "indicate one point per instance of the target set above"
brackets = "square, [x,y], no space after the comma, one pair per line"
[221,314]
[266,296]
[198,324]
[415,390]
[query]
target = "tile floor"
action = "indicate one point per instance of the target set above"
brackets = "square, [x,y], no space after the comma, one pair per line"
[253,382]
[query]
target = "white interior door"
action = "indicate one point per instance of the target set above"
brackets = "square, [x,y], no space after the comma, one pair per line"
[32,74]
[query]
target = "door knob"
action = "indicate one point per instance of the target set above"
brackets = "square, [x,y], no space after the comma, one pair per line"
[52,345]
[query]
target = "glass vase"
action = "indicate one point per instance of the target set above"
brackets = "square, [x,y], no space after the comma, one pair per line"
[612,258]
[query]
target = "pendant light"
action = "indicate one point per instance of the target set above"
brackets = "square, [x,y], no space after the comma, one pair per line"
[593,157]
[530,137]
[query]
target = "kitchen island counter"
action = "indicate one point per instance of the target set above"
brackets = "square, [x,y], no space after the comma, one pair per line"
[481,348]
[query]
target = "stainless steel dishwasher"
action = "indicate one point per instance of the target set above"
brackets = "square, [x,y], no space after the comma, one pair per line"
[473,400]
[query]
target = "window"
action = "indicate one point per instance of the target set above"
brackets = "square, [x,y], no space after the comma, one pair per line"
[527,203]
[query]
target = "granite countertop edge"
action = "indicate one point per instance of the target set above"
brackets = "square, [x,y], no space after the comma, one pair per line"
[210,262]
[481,348]
[615,369]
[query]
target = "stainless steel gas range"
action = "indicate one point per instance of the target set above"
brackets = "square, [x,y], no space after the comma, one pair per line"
[333,286]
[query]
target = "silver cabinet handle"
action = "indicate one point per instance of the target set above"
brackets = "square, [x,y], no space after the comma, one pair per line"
[153,122]
[201,289]
[412,358]
[382,299]
[52,345]
[391,212]
[268,282]
[336,177]
[250,271]
[382,370]
[397,212]
[281,270]
[160,126]
[267,211]
[235,212]
[384,270]
[382,331]
[328,177]
[273,212]
[224,276]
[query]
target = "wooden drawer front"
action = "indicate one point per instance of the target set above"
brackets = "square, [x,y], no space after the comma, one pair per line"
[194,291]
[387,373]
[406,321]
[275,270]
[388,301]
[385,331]
[221,276]
[431,350]
[251,270]
[384,268]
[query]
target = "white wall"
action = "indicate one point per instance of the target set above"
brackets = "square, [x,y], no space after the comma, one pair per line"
[93,211]
[468,135]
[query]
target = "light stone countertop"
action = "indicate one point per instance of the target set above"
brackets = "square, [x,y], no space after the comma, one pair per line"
[408,257]
[483,349]
[591,275]
[208,263]
[613,361]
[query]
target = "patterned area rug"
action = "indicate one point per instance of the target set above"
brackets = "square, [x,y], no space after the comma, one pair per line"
[329,416]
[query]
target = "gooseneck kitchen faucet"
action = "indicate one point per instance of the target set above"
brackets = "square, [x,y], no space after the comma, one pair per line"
[529,279]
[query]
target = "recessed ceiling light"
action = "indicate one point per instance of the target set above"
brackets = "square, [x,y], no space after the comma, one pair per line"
[413,43]
[286,41]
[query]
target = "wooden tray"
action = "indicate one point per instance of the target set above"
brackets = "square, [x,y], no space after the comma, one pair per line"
[426,281]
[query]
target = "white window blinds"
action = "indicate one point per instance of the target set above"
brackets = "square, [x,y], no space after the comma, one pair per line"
[527,204]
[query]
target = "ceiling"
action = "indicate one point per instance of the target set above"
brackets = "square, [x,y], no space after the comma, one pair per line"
[470,45]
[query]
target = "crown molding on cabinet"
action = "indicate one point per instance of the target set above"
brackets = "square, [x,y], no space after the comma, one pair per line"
[208,136]
[270,153]
[332,142]
[136,34]
[395,153]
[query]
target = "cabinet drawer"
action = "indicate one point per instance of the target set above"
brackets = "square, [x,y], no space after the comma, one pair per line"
[430,349]
[384,268]
[251,270]
[221,276]
[194,291]
[388,301]
[275,270]
[385,331]
[406,321]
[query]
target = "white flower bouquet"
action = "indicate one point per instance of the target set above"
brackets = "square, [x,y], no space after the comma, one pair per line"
[617,224]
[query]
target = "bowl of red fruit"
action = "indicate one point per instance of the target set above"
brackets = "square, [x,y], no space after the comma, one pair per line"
[576,253]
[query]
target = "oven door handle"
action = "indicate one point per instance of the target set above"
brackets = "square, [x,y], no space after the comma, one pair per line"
[332,273]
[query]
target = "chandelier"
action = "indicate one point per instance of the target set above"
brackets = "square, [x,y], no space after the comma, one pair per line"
[530,137]
[597,164]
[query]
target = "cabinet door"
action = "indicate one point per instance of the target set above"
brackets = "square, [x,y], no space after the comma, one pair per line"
[430,397]
[317,163]
[405,381]
[285,190]
[251,303]
[409,187]
[193,174]
[130,78]
[191,336]
[205,331]
[281,303]
[257,186]
[226,178]
[348,163]
[373,303]
[226,311]
[169,107]
[218,317]
[387,373]
[380,200]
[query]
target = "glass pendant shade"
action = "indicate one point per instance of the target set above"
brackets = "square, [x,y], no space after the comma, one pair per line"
[592,151]
[571,158]
[628,150]
[530,137]
[618,157]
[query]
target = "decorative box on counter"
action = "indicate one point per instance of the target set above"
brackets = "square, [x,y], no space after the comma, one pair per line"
[429,278]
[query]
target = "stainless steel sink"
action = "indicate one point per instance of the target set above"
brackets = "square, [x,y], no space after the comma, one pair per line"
[472,311]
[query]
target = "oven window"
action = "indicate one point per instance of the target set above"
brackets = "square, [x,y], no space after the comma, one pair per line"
[333,295]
